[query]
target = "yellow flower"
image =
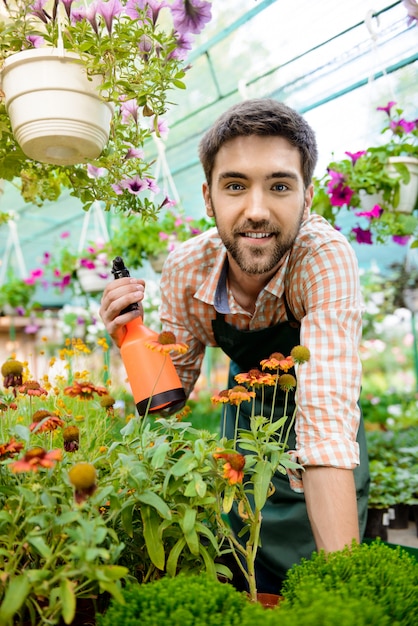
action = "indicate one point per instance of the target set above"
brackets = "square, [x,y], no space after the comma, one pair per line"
[287,382]
[240,394]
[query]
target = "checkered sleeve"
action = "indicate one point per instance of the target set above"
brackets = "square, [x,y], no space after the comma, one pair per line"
[329,384]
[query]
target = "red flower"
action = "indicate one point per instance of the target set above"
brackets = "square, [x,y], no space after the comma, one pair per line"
[234,466]
[36,458]
[84,390]
[8,450]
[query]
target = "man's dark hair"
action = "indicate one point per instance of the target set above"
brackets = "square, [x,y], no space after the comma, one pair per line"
[262,117]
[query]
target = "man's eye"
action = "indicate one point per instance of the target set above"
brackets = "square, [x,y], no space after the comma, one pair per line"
[280,187]
[235,186]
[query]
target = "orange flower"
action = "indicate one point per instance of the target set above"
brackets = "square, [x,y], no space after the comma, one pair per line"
[84,390]
[287,382]
[36,458]
[240,394]
[255,378]
[44,421]
[273,362]
[166,343]
[32,388]
[234,466]
[8,450]
[286,364]
[221,398]
[185,411]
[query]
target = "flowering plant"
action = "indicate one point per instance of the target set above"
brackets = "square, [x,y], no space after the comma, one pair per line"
[139,48]
[59,269]
[17,293]
[347,182]
[136,241]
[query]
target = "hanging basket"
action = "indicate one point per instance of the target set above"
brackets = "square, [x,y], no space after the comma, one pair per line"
[94,280]
[56,113]
[408,192]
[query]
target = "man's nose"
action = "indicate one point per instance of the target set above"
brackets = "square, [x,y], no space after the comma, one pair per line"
[257,205]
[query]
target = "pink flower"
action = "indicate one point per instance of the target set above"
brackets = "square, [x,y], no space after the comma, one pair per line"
[401,240]
[36,40]
[354,156]
[129,109]
[375,212]
[190,16]
[109,10]
[341,195]
[387,109]
[65,234]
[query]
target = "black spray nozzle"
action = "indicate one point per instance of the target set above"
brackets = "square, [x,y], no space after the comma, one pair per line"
[119,270]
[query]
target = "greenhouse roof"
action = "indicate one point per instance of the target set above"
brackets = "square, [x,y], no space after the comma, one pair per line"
[334,62]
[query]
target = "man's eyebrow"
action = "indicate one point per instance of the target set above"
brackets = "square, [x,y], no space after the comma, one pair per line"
[282,174]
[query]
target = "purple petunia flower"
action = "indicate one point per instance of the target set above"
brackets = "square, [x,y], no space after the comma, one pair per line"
[108,10]
[36,40]
[134,185]
[129,109]
[354,156]
[362,236]
[375,212]
[190,16]
[340,195]
[387,109]
[37,9]
[399,127]
[133,153]
[184,43]
[134,8]
[401,240]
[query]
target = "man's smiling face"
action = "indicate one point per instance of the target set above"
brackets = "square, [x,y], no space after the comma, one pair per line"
[258,200]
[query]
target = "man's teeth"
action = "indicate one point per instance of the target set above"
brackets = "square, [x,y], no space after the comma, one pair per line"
[257,235]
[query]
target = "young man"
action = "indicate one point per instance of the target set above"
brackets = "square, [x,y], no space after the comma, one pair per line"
[271,276]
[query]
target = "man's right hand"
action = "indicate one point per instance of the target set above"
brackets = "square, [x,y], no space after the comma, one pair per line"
[117,296]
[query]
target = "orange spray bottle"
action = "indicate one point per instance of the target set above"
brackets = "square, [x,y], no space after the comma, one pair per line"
[152,376]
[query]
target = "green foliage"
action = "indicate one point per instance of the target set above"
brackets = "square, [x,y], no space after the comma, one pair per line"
[136,240]
[15,292]
[347,182]
[370,573]
[129,74]
[181,601]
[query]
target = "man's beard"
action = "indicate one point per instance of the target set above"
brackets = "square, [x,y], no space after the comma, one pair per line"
[257,259]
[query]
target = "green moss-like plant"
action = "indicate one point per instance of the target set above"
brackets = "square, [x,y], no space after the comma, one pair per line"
[376,573]
[182,601]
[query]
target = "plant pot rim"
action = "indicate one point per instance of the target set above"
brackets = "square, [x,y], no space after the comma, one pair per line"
[403,159]
[47,52]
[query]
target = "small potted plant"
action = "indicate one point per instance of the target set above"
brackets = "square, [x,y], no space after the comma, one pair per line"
[379,184]
[132,53]
[16,296]
[136,241]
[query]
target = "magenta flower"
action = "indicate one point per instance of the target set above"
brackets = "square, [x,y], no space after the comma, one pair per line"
[399,127]
[46,258]
[354,156]
[65,234]
[63,283]
[190,16]
[87,263]
[134,185]
[108,10]
[336,179]
[162,235]
[36,40]
[387,109]
[375,212]
[340,195]
[412,9]
[362,236]
[167,203]
[401,240]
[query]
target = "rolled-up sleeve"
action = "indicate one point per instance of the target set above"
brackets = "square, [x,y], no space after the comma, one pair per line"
[328,388]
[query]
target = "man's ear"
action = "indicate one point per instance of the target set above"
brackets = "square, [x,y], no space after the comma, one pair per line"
[308,201]
[207,199]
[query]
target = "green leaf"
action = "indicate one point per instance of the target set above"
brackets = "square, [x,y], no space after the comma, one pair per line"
[179,84]
[184,465]
[152,536]
[68,600]
[40,546]
[174,556]
[160,455]
[228,498]
[261,482]
[148,497]
[16,594]
[126,519]
[113,589]
[209,562]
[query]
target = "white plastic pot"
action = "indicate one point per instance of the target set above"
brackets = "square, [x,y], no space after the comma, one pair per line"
[94,280]
[408,192]
[56,113]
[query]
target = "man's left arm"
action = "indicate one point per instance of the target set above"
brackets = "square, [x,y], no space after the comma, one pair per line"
[332,506]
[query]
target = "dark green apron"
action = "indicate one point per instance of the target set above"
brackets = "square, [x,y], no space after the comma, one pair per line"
[286,534]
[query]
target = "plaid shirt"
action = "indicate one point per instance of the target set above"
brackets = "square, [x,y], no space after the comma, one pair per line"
[320,278]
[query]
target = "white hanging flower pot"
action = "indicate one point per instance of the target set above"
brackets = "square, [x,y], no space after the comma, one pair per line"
[56,112]
[408,192]
[94,280]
